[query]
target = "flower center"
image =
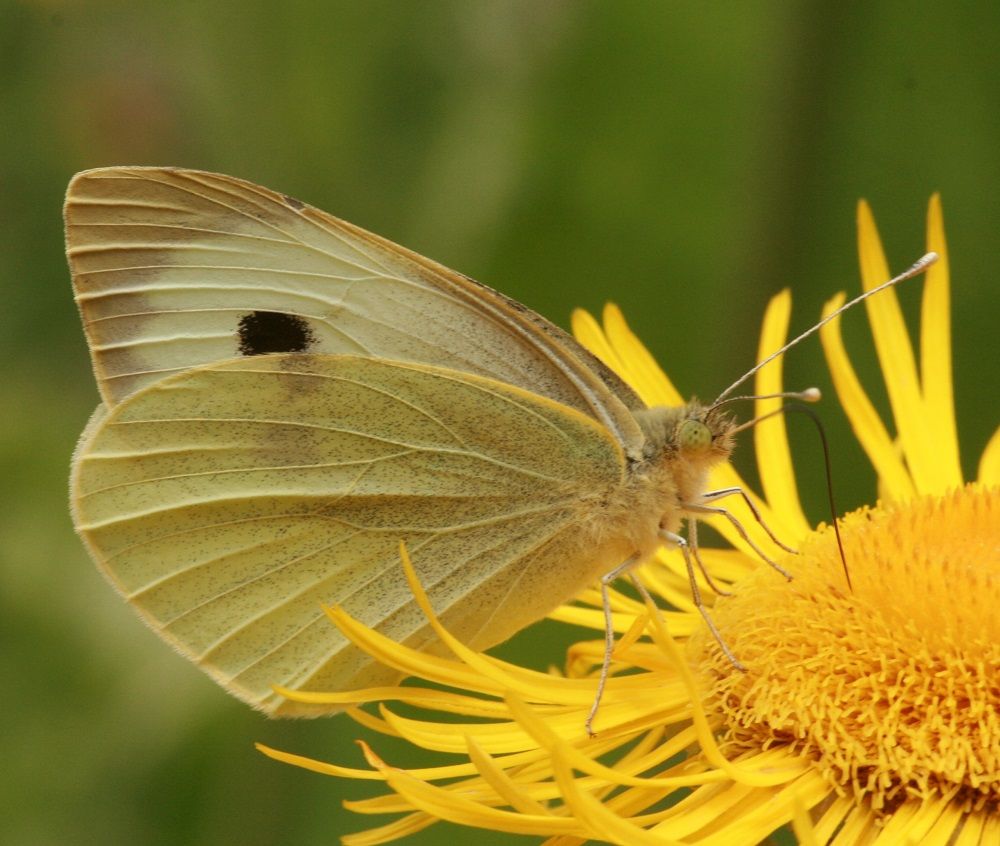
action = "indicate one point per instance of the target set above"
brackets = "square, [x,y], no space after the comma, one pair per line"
[892,687]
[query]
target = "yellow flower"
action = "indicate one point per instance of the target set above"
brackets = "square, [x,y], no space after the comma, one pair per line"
[870,713]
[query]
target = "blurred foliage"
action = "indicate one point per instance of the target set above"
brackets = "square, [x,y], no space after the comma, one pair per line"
[686,160]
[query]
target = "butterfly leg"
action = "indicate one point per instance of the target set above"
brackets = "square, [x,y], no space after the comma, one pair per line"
[609,635]
[712,496]
[693,546]
[674,539]
[722,512]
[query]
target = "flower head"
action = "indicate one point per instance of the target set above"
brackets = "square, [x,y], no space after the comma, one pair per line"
[870,713]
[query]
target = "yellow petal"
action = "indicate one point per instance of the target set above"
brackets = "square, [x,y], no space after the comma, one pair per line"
[989,464]
[389,832]
[418,697]
[480,671]
[913,820]
[832,817]
[588,332]
[759,816]
[543,733]
[506,788]
[805,833]
[935,352]
[598,819]
[453,806]
[895,354]
[317,766]
[411,661]
[949,820]
[981,827]
[736,814]
[867,425]
[590,617]
[770,436]
[644,374]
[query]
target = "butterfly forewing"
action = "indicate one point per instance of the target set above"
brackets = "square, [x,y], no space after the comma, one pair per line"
[229,502]
[175,268]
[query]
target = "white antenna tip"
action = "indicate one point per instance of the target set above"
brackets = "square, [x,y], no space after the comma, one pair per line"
[919,266]
[812,395]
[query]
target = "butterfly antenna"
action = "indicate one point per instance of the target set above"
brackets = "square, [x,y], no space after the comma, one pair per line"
[829,483]
[808,395]
[915,269]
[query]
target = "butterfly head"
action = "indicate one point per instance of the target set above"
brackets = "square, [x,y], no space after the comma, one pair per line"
[704,433]
[693,434]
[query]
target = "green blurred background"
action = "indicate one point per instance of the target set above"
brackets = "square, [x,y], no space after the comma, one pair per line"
[687,160]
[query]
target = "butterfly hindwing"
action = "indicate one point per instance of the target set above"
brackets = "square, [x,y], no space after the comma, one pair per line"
[229,502]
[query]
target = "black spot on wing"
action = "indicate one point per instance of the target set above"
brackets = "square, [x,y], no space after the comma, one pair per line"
[298,205]
[262,332]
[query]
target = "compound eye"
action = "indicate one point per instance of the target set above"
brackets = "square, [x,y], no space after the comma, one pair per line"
[694,436]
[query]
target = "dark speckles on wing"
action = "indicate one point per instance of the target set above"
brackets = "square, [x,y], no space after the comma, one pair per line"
[298,205]
[262,332]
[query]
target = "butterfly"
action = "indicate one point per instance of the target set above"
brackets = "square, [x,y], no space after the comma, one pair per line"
[285,398]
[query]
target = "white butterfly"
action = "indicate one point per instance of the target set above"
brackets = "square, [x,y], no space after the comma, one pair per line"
[286,397]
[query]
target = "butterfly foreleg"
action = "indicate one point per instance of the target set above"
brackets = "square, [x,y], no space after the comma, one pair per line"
[701,508]
[713,496]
